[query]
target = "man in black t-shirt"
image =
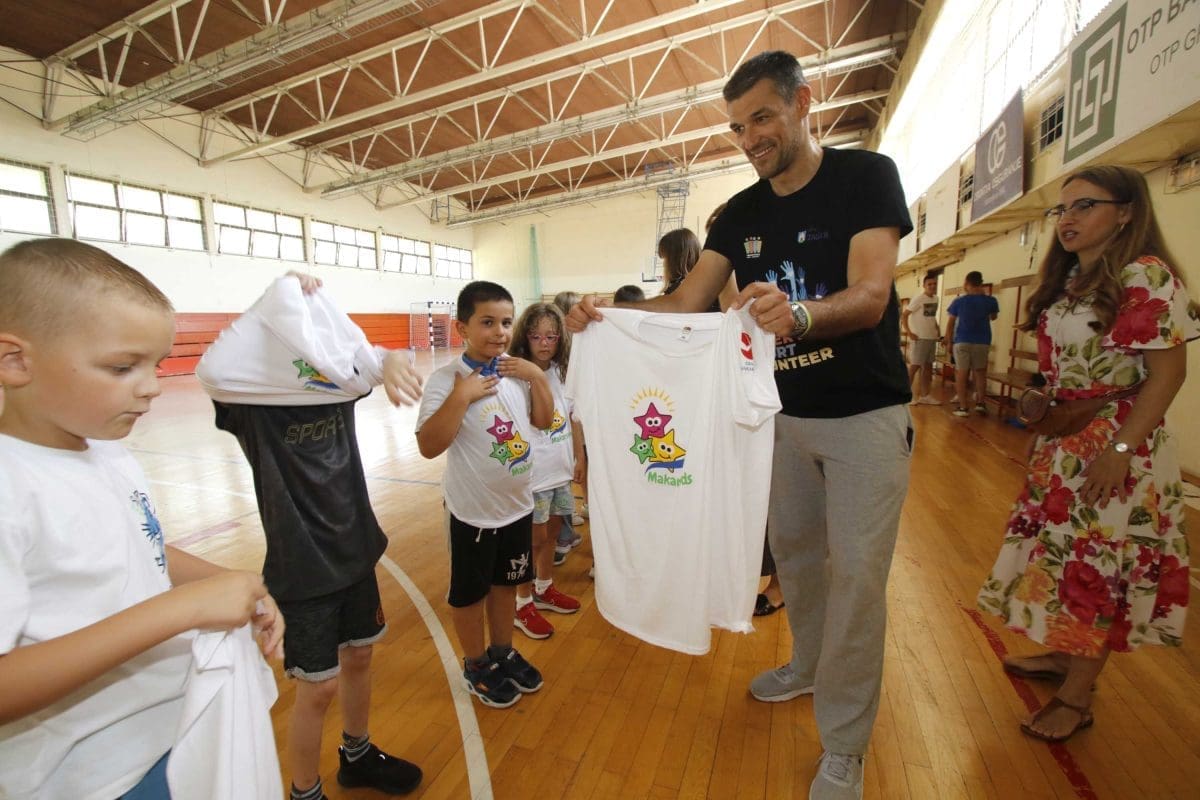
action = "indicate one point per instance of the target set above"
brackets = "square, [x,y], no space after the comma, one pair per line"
[814,244]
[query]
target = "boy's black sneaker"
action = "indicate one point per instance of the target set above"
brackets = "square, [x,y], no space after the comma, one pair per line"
[489,683]
[519,672]
[377,770]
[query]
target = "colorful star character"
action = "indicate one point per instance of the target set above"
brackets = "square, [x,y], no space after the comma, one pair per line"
[502,430]
[664,449]
[641,449]
[517,447]
[653,422]
[558,422]
[500,452]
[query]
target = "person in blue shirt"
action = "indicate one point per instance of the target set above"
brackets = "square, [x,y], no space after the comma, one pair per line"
[969,337]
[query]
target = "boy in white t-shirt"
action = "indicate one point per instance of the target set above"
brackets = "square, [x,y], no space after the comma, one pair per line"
[93,606]
[919,321]
[481,410]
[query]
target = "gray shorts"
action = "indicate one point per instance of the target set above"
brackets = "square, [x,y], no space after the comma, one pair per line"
[557,501]
[971,356]
[920,351]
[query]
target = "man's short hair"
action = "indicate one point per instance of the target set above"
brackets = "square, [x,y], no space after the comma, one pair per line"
[780,66]
[929,276]
[47,284]
[477,292]
[975,278]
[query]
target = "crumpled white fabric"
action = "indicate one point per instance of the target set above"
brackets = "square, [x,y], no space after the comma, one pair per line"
[225,746]
[254,360]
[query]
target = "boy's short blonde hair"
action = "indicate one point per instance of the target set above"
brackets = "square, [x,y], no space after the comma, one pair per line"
[47,284]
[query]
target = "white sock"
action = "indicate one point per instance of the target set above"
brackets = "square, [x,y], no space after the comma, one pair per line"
[540,586]
[523,601]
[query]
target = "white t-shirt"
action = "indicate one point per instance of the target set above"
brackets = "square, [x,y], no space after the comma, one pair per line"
[487,479]
[79,541]
[225,746]
[678,410]
[553,449]
[291,349]
[922,318]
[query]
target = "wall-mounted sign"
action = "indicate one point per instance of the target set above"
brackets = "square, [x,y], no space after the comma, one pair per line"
[1000,161]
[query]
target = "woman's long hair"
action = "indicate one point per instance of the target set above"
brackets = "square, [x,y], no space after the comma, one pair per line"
[1141,236]
[679,250]
[529,320]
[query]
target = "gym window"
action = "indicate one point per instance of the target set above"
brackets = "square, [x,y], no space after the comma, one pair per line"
[25,203]
[245,231]
[120,212]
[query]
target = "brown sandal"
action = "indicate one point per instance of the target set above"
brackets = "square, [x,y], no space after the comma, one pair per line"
[1085,720]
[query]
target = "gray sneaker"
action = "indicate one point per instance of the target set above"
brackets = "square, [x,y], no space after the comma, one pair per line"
[839,777]
[777,685]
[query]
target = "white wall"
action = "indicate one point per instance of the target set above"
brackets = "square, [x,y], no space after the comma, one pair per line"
[161,155]
[595,247]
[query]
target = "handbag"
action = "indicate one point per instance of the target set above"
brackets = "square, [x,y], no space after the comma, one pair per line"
[1041,413]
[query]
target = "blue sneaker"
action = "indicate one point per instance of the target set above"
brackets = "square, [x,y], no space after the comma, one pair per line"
[519,672]
[490,684]
[568,539]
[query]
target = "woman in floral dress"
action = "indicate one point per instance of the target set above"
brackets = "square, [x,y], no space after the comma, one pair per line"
[1094,559]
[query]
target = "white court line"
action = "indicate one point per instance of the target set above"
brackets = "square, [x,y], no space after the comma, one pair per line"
[478,775]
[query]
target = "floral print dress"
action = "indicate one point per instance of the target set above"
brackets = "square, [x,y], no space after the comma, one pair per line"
[1078,578]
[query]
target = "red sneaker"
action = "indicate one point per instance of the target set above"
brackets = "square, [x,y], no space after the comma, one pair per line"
[531,623]
[556,601]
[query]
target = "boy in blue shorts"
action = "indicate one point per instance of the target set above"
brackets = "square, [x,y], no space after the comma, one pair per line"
[285,378]
[93,604]
[481,411]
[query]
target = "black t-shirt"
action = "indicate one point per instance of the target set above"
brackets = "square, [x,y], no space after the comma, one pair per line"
[801,243]
[322,535]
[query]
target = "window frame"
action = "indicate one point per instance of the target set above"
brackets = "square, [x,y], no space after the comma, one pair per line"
[48,198]
[124,209]
[251,229]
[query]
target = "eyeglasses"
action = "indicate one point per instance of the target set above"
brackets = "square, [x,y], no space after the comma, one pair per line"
[538,338]
[1080,207]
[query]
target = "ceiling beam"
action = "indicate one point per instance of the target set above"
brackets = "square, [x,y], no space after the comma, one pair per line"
[848,58]
[585,160]
[530,62]
[629,186]
[268,49]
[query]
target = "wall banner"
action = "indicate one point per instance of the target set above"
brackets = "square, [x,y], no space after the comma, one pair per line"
[1000,161]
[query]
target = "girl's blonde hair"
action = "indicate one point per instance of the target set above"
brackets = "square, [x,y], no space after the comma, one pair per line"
[529,320]
[1141,236]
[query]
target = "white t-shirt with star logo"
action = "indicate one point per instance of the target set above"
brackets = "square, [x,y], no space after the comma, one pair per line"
[489,464]
[678,411]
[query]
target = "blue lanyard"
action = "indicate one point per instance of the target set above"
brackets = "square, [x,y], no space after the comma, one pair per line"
[486,368]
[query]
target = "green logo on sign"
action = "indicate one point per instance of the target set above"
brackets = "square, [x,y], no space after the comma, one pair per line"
[1092,92]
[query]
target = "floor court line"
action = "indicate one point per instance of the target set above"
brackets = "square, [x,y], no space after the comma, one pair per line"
[1062,756]
[478,775]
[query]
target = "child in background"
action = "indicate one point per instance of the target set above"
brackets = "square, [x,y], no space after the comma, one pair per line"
[557,460]
[482,411]
[285,378]
[629,293]
[92,603]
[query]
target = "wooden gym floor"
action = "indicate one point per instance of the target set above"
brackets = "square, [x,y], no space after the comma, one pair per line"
[618,718]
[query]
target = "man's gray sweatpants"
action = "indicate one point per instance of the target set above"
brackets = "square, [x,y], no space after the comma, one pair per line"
[836,491]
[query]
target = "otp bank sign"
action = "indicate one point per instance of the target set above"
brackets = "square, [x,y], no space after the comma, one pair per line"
[1130,69]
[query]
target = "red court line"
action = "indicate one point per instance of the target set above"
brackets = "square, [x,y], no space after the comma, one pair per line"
[1066,762]
[207,533]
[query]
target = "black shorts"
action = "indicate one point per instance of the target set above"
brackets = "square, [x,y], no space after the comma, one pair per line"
[317,628]
[481,558]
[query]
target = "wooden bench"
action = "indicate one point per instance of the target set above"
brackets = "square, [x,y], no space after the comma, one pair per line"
[1022,366]
[194,332]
